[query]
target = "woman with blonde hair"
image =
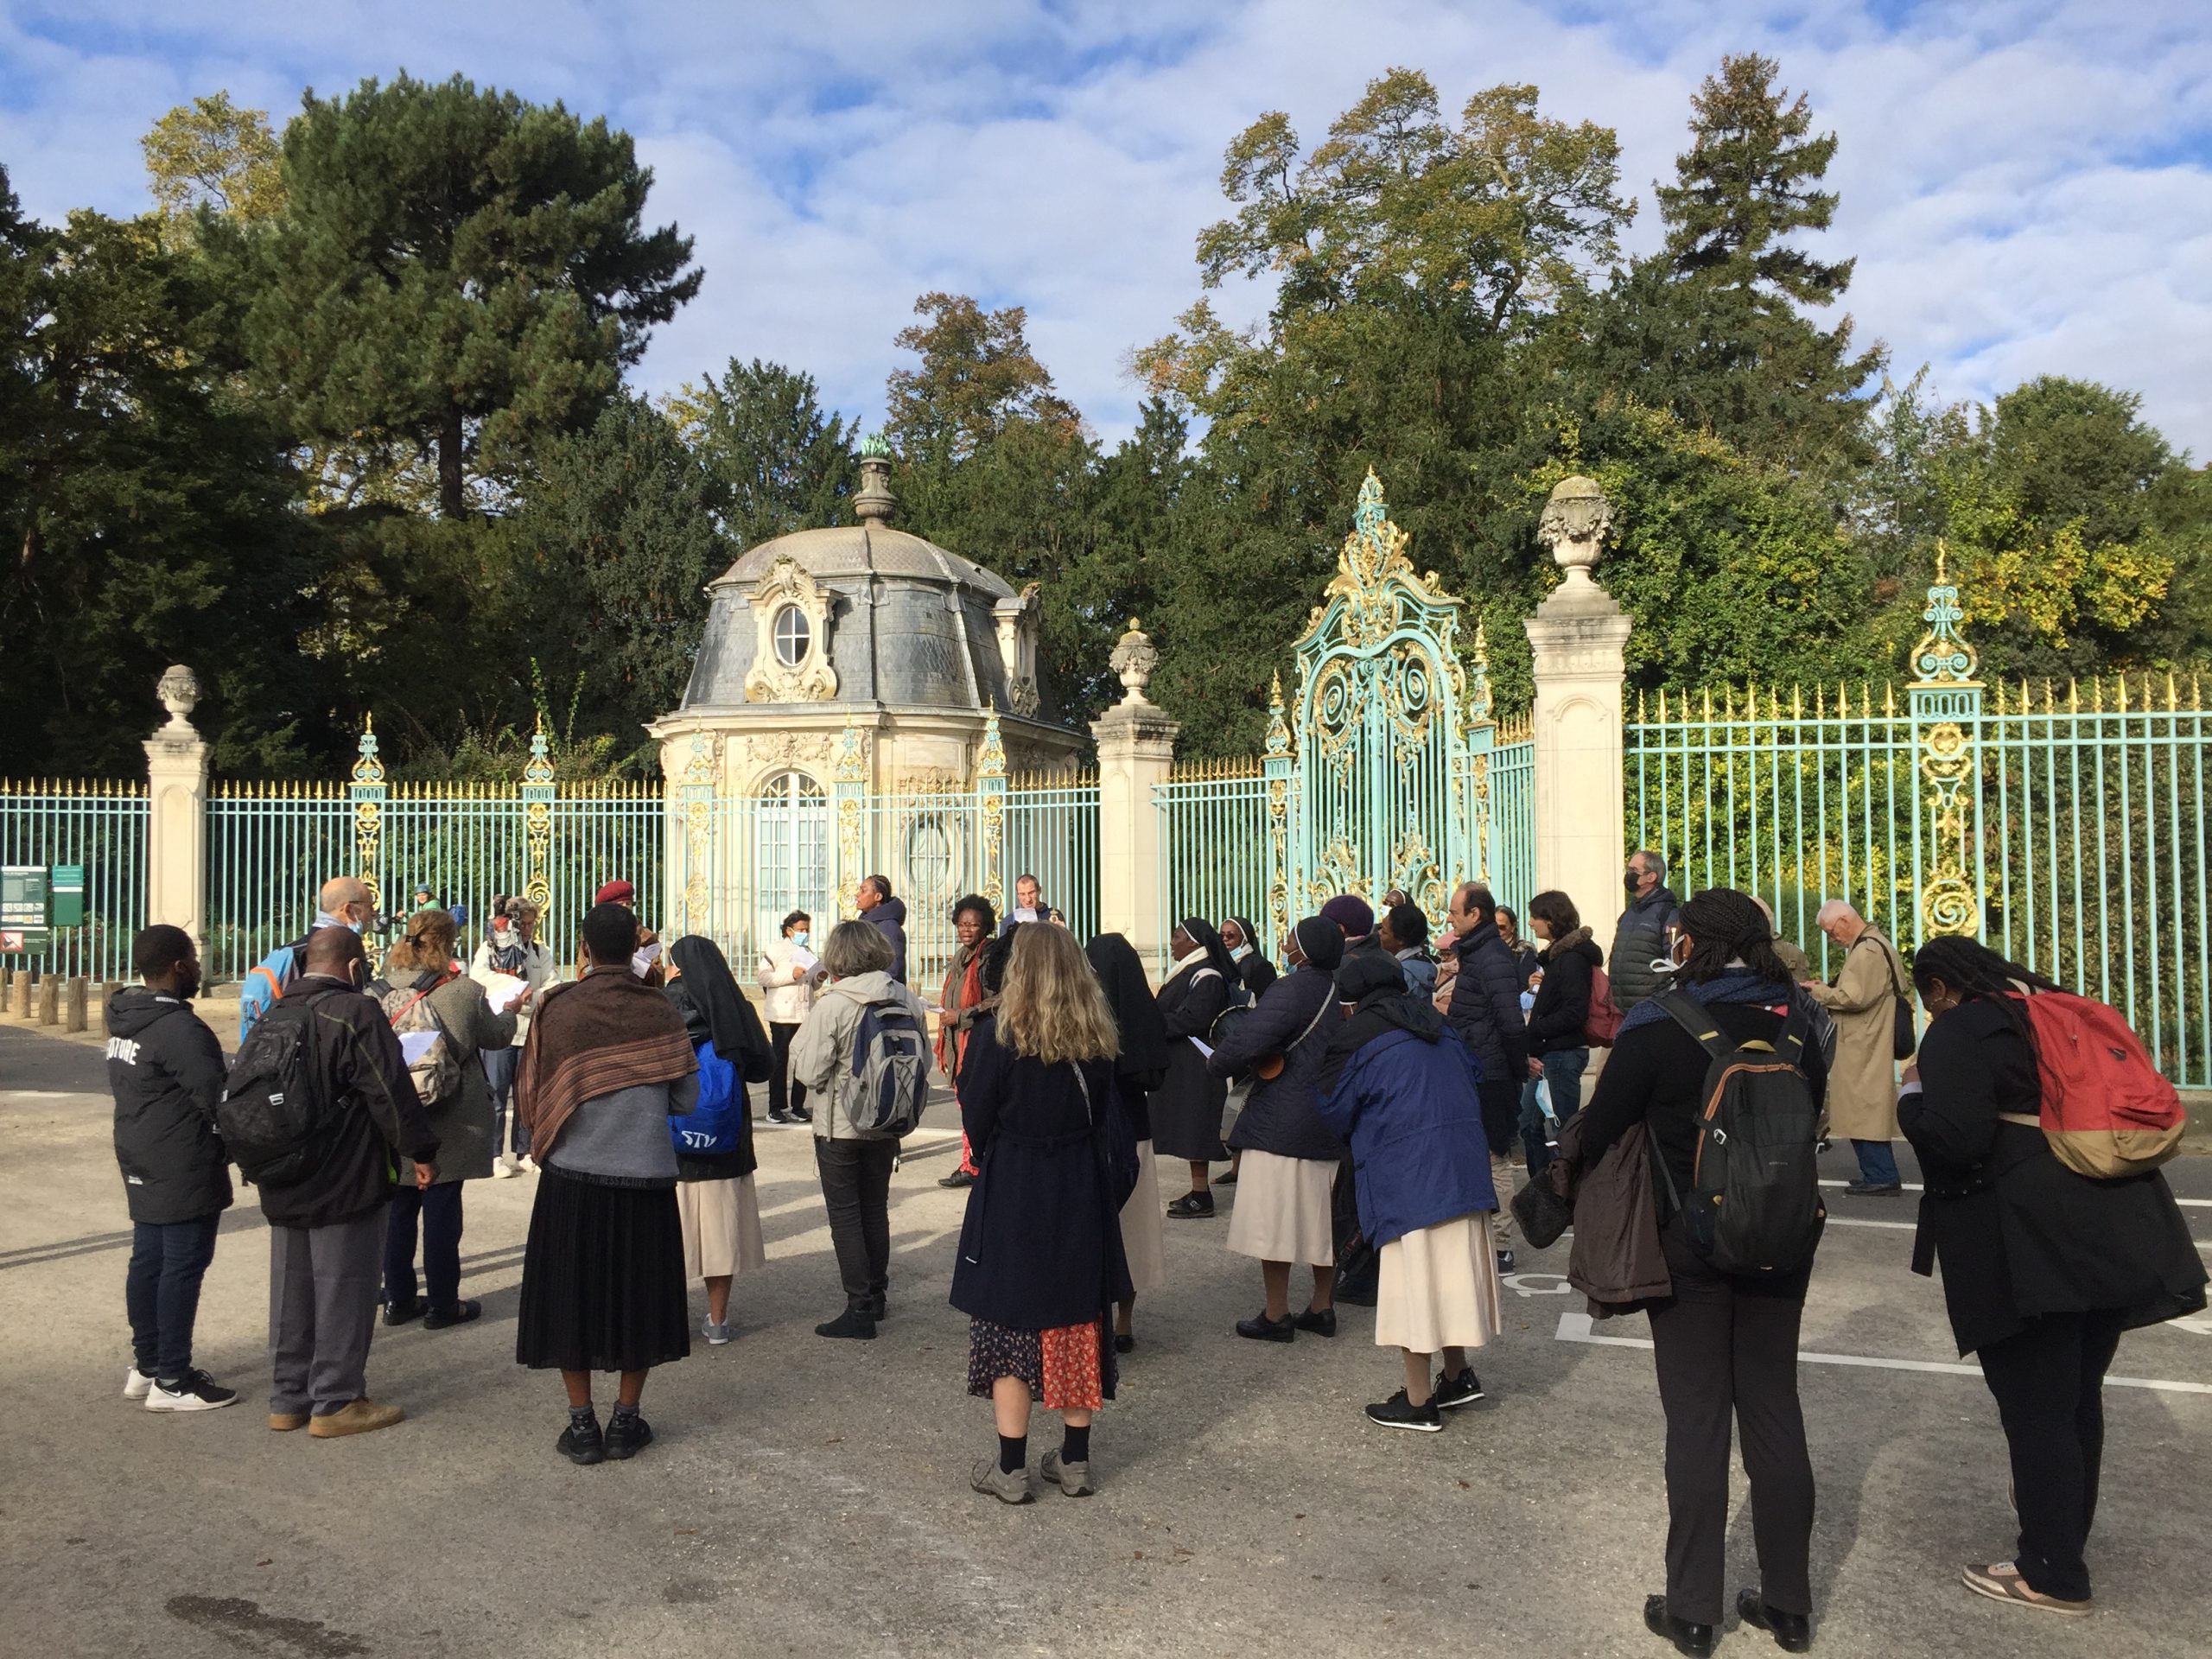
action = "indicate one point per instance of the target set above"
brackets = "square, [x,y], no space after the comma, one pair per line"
[424,992]
[1041,1264]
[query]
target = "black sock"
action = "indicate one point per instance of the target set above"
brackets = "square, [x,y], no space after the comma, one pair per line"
[623,1413]
[583,1416]
[1075,1444]
[1014,1453]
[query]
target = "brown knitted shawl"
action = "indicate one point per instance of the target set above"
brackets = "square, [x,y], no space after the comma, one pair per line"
[607,1031]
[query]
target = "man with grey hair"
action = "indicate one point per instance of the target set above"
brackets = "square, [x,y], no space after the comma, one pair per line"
[1645,933]
[1863,1000]
[344,901]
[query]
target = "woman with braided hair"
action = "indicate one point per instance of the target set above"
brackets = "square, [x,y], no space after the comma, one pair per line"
[1725,1344]
[2042,1269]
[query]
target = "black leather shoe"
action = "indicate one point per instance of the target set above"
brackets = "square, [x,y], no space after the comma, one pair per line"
[958,1178]
[438,1318]
[1191,1206]
[854,1324]
[401,1312]
[1322,1323]
[1261,1328]
[1124,1345]
[1792,1632]
[1874,1189]
[876,1307]
[1696,1640]
[627,1434]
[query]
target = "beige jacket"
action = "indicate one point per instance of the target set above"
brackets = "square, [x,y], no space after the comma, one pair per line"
[538,970]
[785,1002]
[821,1052]
[1863,1082]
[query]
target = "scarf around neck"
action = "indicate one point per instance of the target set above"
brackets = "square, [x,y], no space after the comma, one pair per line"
[1737,985]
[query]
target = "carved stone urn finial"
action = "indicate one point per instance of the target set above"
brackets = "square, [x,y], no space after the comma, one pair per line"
[179,690]
[1574,527]
[1134,658]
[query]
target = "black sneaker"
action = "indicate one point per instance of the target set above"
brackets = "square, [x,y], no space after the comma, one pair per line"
[438,1318]
[958,1178]
[1398,1411]
[582,1445]
[1505,1262]
[1191,1206]
[1451,1392]
[802,1114]
[1261,1328]
[1875,1189]
[627,1434]
[401,1312]
[854,1323]
[194,1391]
[775,1116]
[1321,1322]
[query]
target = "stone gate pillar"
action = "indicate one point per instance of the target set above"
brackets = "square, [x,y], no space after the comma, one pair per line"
[1578,635]
[176,812]
[1136,749]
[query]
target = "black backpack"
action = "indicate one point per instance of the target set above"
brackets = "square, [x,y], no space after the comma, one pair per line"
[272,1116]
[1754,1204]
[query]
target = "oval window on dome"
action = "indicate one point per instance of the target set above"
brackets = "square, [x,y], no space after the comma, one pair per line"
[792,634]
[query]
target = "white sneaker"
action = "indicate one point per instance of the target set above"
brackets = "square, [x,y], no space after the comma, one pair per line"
[503,1168]
[194,1391]
[136,1384]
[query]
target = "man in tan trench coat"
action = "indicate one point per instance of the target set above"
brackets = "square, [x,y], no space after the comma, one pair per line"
[1863,1079]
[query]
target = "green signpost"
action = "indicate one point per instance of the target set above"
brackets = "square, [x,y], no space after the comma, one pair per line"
[27,905]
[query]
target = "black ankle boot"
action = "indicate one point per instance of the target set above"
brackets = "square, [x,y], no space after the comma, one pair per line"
[1792,1632]
[1696,1640]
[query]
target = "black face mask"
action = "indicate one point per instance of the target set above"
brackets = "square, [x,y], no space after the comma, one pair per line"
[1633,881]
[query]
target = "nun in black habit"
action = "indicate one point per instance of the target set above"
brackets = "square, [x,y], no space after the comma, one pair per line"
[1188,1106]
[1138,1071]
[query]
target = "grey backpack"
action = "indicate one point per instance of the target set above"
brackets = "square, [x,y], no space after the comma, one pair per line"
[888,1085]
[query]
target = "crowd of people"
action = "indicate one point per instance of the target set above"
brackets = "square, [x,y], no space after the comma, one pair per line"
[1385,1085]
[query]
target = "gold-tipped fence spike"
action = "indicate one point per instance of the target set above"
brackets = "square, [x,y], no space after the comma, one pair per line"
[1889,699]
[2173,693]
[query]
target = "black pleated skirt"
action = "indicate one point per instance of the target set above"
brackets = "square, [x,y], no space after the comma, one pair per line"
[602,1278]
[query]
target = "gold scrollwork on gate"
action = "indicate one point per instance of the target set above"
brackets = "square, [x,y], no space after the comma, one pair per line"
[1947,903]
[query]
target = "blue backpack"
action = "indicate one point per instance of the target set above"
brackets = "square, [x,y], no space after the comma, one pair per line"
[716,1124]
[266,984]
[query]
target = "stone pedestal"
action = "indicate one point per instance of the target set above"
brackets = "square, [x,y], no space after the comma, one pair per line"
[1136,750]
[1578,636]
[177,822]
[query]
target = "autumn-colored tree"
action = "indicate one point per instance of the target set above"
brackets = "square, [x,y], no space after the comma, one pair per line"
[212,154]
[976,378]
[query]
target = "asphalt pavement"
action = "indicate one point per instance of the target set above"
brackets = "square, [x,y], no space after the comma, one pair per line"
[809,1496]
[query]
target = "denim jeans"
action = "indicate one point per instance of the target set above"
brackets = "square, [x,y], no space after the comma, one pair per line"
[161,1292]
[1563,1071]
[440,1209]
[500,1067]
[1877,1162]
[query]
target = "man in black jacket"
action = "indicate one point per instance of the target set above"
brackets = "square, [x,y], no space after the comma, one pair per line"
[326,1229]
[165,1069]
[1485,1010]
[1645,933]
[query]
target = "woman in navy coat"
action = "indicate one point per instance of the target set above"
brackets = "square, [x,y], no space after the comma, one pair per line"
[1041,1263]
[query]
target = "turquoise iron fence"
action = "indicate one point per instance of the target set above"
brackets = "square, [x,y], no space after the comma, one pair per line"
[1509,834]
[1217,844]
[1052,833]
[102,826]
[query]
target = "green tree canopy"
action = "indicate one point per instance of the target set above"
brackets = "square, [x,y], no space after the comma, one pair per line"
[780,461]
[456,273]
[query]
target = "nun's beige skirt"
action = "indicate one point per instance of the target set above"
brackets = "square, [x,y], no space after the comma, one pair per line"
[721,1228]
[1143,1227]
[1284,1211]
[1438,1288]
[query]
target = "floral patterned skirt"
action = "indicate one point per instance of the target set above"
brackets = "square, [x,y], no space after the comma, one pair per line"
[1068,1369]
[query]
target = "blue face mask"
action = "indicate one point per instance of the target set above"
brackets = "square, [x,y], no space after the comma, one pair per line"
[1240,953]
[799,939]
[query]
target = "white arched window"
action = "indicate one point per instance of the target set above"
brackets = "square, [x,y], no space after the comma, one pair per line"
[791,867]
[792,634]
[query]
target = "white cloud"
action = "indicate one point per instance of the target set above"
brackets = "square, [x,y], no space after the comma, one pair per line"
[2026,187]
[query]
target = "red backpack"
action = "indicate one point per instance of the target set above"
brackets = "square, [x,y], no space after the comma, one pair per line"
[2107,1111]
[1603,1023]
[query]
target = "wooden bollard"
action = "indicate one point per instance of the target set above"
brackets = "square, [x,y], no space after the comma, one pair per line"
[19,994]
[49,1000]
[73,1012]
[96,1004]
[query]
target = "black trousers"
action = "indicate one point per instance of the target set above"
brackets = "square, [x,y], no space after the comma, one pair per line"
[2049,1380]
[1727,1348]
[783,1093]
[856,1188]
[1501,1104]
[440,1210]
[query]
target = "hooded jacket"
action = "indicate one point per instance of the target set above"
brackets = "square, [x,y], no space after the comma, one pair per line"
[889,919]
[821,1052]
[378,1119]
[165,1069]
[1400,1090]
[1562,1007]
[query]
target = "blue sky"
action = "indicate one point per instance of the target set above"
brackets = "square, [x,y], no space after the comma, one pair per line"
[2027,187]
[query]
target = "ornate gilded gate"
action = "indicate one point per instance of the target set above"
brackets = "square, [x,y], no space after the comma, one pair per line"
[1394,736]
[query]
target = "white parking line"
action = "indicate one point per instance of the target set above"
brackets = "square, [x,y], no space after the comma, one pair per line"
[1580,1327]
[1915,1186]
